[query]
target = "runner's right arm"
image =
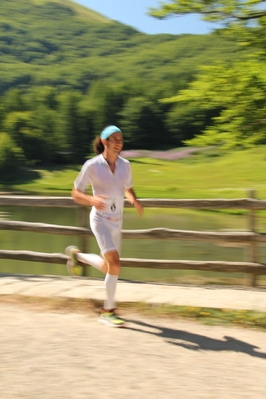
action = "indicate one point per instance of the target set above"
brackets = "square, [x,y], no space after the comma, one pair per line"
[88,200]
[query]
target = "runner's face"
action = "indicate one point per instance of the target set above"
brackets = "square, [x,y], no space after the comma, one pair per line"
[115,142]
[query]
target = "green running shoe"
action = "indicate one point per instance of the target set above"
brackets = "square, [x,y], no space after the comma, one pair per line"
[110,319]
[72,265]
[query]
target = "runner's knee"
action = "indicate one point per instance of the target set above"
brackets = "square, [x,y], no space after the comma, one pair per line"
[113,261]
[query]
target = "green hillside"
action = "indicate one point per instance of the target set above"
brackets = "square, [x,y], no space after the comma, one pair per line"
[81,11]
[11,8]
[66,71]
[60,43]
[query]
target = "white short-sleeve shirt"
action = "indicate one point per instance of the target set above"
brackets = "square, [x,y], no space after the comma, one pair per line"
[97,174]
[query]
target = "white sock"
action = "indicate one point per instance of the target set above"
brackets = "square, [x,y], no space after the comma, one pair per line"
[91,259]
[110,284]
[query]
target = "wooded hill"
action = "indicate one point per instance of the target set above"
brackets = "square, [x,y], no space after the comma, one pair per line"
[60,43]
[66,72]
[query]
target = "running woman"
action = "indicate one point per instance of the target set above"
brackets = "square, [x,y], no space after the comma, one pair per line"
[110,178]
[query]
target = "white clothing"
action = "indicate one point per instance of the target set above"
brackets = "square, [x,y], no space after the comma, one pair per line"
[110,283]
[107,233]
[106,224]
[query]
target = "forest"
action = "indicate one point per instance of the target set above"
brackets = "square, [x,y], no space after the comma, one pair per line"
[66,72]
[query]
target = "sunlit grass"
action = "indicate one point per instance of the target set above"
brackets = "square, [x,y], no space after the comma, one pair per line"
[229,175]
[202,175]
[209,316]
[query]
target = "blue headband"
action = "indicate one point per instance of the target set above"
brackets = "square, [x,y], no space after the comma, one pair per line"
[108,131]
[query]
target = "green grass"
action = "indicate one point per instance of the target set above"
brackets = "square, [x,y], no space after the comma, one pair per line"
[206,174]
[229,175]
[208,316]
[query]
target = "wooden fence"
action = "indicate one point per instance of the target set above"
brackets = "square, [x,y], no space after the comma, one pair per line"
[250,238]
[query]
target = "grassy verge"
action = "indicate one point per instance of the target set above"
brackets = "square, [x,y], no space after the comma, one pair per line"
[208,316]
[207,174]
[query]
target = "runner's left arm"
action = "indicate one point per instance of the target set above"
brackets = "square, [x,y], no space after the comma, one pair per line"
[131,197]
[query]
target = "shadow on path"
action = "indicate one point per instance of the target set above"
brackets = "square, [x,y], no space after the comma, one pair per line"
[197,342]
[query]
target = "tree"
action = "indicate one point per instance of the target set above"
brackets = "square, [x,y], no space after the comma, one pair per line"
[10,158]
[236,89]
[13,101]
[73,129]
[107,101]
[186,119]
[141,123]
[241,99]
[23,130]
[244,21]
[226,11]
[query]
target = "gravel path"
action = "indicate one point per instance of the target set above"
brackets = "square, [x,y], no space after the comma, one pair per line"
[62,355]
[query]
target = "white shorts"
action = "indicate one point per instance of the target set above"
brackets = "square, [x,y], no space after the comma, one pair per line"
[107,232]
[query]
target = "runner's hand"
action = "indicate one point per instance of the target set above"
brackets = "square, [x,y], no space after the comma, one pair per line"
[138,207]
[99,202]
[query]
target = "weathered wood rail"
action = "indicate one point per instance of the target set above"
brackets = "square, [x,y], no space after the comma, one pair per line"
[249,238]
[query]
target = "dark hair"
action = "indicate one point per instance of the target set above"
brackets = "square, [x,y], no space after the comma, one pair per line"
[98,145]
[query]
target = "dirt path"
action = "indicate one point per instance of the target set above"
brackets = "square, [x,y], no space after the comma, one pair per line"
[47,355]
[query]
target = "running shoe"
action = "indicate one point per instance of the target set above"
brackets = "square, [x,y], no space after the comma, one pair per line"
[110,319]
[72,265]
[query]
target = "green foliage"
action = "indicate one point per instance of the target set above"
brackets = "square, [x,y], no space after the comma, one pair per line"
[226,11]
[142,123]
[239,92]
[75,128]
[54,43]
[186,119]
[66,72]
[236,90]
[10,158]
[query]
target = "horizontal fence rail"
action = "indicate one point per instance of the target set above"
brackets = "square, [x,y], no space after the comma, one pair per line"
[237,238]
[67,202]
[248,239]
[218,266]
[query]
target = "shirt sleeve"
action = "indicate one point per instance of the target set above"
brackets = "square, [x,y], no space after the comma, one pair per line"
[128,181]
[83,179]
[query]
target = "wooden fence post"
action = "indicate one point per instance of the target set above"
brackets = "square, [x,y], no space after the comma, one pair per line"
[251,249]
[83,222]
